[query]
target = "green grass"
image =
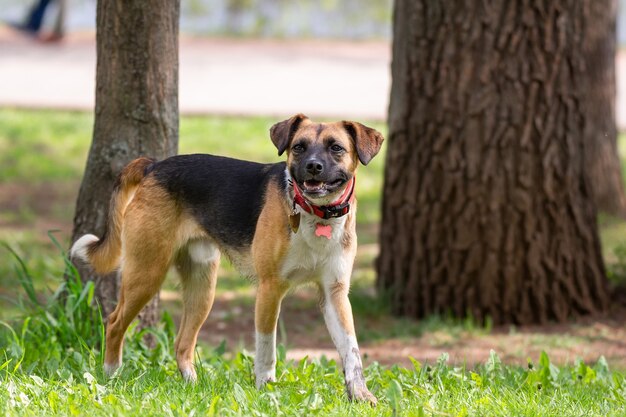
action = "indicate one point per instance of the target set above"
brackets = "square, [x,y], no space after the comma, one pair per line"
[43,145]
[51,364]
[225,388]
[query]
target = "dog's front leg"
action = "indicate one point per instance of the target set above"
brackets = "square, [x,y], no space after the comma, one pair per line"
[269,296]
[338,316]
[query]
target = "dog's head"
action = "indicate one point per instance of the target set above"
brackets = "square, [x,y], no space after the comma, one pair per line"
[323,157]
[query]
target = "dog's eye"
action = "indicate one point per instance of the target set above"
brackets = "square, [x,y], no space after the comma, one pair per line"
[298,147]
[336,148]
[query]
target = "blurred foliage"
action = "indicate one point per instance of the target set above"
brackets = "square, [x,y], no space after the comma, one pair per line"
[350,19]
[617,270]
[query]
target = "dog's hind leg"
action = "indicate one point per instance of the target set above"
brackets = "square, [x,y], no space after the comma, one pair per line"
[147,251]
[197,265]
[140,282]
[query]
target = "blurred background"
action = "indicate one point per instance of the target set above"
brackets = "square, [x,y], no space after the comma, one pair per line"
[348,19]
[317,43]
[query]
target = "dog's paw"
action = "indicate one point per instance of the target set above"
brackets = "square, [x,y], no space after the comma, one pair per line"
[357,391]
[189,375]
[110,369]
[263,378]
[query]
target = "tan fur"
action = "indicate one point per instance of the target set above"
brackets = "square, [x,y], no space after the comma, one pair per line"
[148,252]
[104,254]
[198,282]
[367,140]
[339,298]
[349,240]
[148,221]
[339,291]
[269,247]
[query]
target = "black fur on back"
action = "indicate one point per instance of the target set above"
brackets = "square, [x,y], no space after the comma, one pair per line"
[225,195]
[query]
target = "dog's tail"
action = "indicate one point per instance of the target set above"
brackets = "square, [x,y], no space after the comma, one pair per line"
[104,254]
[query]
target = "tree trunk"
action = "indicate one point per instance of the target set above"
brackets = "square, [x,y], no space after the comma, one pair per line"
[601,157]
[136,113]
[486,207]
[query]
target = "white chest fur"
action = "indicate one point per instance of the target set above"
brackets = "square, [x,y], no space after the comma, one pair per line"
[312,257]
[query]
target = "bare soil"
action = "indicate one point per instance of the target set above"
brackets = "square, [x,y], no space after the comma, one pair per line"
[306,335]
[49,206]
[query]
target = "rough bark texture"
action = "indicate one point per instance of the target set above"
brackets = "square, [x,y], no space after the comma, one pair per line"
[136,113]
[601,157]
[486,208]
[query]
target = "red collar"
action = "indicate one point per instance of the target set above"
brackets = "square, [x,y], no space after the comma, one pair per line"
[338,208]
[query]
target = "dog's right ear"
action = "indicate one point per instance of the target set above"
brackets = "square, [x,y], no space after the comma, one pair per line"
[282,132]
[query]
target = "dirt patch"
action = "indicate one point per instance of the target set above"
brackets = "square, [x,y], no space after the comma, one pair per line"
[304,334]
[303,331]
[37,207]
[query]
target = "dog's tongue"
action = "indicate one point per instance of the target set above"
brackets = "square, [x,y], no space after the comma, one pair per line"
[313,185]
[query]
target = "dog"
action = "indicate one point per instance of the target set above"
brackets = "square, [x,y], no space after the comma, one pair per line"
[284,224]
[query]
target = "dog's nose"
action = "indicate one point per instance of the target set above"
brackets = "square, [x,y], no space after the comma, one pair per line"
[314,167]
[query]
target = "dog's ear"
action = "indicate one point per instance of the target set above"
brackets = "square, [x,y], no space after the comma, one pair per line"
[367,140]
[282,132]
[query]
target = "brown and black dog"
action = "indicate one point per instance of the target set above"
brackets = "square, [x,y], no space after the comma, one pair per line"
[282,224]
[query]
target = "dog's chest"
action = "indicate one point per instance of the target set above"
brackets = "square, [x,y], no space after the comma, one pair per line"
[315,250]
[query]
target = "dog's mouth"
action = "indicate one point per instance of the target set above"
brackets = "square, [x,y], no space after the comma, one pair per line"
[313,186]
[318,188]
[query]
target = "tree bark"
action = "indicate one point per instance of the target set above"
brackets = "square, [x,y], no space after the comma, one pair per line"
[136,113]
[486,207]
[601,156]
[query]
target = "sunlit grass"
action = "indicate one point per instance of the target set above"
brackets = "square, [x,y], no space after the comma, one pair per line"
[51,364]
[38,146]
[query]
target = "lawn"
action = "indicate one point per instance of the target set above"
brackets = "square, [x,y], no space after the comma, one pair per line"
[51,364]
[50,356]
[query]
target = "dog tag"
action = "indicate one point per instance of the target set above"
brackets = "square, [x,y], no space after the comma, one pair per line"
[294,221]
[325,230]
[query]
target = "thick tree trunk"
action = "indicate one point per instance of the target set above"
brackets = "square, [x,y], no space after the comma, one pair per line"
[486,208]
[601,157]
[136,113]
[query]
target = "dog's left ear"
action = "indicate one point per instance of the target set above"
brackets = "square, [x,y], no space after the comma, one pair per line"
[367,140]
[282,132]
